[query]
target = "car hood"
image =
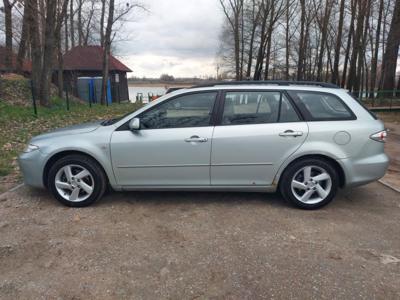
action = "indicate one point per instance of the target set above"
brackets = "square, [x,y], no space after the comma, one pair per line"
[70,130]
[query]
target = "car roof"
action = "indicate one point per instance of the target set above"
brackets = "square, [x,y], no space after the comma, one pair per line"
[253,87]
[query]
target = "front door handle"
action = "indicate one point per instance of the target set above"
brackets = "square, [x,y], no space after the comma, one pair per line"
[196,139]
[291,133]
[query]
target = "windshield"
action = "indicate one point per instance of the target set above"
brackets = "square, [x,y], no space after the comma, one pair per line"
[115,120]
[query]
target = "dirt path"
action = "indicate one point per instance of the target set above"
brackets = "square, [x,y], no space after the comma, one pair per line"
[200,246]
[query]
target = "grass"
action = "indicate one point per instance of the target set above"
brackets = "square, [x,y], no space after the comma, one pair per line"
[18,124]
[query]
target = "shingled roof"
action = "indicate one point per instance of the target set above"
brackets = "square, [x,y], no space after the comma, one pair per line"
[26,66]
[90,58]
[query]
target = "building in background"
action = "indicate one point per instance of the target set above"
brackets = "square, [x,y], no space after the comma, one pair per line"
[85,62]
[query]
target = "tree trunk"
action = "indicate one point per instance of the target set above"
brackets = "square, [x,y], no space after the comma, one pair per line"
[361,50]
[287,42]
[24,39]
[103,12]
[36,46]
[269,41]
[9,34]
[60,71]
[255,18]
[71,23]
[54,20]
[241,42]
[392,49]
[335,74]
[302,44]
[66,43]
[80,29]
[48,51]
[351,81]
[106,56]
[349,39]
[237,47]
[324,34]
[374,61]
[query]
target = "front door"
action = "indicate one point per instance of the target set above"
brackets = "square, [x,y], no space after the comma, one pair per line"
[173,146]
[258,131]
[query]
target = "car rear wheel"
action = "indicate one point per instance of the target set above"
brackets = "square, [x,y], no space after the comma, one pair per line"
[309,183]
[77,181]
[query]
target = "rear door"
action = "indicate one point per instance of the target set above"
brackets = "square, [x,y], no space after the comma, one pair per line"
[256,132]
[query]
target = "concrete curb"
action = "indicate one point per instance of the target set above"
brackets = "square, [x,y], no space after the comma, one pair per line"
[389,186]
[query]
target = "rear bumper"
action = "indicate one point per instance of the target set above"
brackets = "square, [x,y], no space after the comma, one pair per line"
[365,170]
[32,166]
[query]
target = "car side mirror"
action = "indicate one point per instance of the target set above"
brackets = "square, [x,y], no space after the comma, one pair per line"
[134,124]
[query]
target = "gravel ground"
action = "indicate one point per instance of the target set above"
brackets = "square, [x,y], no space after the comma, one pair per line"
[200,246]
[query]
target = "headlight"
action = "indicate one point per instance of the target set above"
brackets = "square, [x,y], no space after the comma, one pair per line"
[31,148]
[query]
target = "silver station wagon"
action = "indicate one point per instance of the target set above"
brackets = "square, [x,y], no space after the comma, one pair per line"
[304,139]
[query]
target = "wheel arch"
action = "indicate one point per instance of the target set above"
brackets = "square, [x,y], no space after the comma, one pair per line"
[56,156]
[332,161]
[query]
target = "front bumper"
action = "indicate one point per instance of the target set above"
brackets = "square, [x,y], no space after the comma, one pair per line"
[365,170]
[32,167]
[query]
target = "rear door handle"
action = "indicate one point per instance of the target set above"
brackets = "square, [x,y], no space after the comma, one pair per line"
[291,133]
[196,139]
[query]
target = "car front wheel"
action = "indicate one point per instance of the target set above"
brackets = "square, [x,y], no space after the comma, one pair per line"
[77,180]
[309,183]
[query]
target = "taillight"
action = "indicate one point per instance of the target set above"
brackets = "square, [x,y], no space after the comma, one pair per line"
[379,136]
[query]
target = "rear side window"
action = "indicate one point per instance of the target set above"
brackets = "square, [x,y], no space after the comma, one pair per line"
[317,106]
[363,106]
[253,107]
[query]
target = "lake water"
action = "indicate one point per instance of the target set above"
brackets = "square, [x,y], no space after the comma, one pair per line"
[145,90]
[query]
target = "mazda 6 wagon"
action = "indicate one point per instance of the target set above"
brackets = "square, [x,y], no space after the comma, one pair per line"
[303,139]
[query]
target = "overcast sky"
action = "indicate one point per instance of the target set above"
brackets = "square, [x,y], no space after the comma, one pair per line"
[178,37]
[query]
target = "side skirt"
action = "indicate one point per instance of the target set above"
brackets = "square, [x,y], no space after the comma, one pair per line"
[261,189]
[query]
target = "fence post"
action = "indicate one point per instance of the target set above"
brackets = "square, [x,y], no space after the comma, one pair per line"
[67,97]
[33,98]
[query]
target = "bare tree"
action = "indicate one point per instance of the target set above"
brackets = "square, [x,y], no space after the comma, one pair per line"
[232,11]
[24,38]
[107,47]
[390,57]
[54,17]
[7,9]
[374,61]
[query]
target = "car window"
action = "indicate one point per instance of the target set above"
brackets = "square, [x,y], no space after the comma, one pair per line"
[322,106]
[257,108]
[287,113]
[192,110]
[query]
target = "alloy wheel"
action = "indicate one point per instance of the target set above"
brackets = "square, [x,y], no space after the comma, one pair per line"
[74,183]
[311,184]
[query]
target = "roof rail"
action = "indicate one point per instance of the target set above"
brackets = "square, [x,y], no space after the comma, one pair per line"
[269,82]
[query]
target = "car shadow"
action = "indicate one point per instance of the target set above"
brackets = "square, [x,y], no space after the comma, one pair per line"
[184,197]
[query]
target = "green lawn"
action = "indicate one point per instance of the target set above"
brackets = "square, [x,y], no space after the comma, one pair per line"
[18,124]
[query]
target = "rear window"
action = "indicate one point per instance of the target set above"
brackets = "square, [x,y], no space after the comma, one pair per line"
[317,106]
[363,106]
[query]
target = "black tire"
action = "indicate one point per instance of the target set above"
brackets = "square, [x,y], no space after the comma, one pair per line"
[96,172]
[293,169]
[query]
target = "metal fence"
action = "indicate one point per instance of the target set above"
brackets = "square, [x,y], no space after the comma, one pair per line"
[66,99]
[380,100]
